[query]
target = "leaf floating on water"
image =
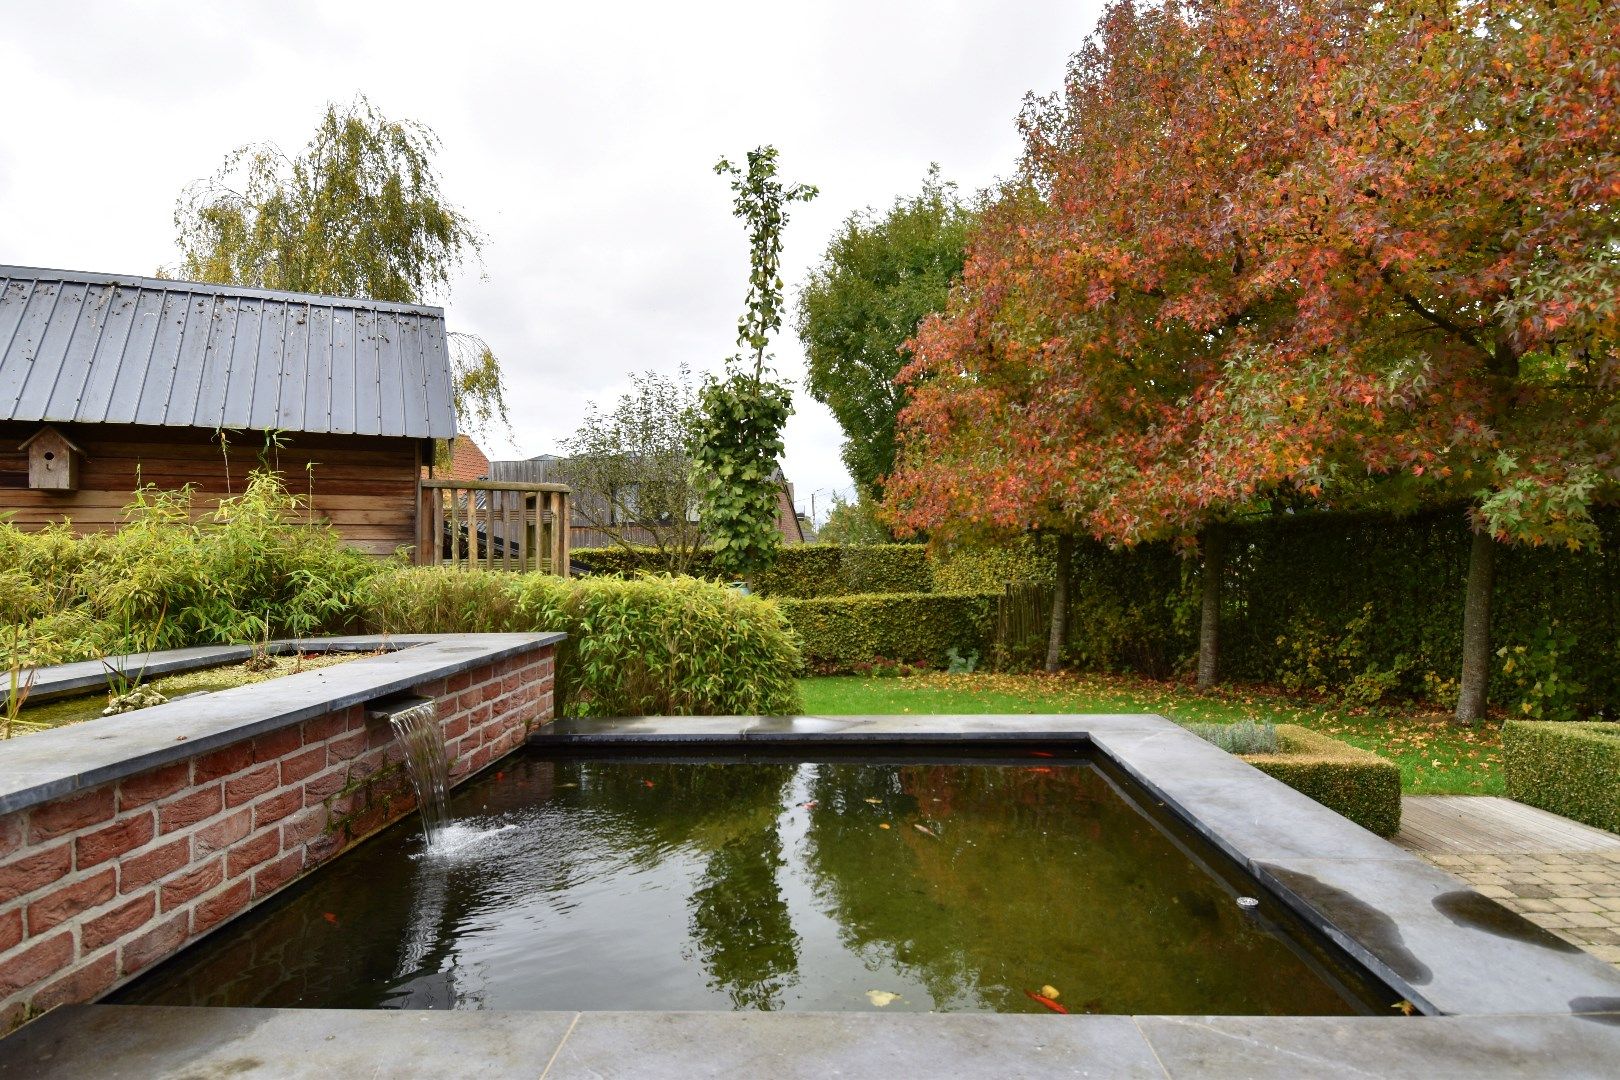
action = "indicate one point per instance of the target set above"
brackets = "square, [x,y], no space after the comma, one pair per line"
[883,824]
[1406,1007]
[874,802]
[1042,999]
[649,783]
[881,998]
[565,785]
[331,918]
[925,830]
[1051,991]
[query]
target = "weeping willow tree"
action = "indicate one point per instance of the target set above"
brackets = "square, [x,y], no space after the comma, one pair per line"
[357,212]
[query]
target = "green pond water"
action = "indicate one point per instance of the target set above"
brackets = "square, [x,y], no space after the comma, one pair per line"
[839,885]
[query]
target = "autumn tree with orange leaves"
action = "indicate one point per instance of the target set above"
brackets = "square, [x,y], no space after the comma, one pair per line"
[1359,254]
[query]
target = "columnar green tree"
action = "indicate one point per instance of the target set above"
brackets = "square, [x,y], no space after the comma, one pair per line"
[359,211]
[880,276]
[737,444]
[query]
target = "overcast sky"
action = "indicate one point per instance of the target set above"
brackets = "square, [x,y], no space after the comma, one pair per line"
[580,138]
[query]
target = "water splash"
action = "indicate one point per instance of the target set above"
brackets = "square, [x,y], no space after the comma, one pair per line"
[418,732]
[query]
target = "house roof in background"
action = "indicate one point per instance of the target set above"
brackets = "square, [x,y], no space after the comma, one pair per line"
[467,461]
[114,349]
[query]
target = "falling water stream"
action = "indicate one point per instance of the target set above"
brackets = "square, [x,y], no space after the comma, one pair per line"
[418,732]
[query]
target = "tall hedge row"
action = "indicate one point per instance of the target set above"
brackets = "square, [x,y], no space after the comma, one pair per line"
[836,633]
[800,571]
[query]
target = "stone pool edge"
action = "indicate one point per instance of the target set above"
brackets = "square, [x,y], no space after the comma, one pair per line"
[1443,946]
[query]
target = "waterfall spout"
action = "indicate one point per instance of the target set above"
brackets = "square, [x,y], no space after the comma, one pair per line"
[416,727]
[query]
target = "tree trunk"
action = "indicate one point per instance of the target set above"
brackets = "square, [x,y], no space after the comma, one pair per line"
[1476,658]
[1212,545]
[1060,603]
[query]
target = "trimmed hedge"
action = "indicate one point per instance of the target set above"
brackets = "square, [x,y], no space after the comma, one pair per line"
[805,571]
[836,633]
[647,646]
[1568,768]
[1346,779]
[802,571]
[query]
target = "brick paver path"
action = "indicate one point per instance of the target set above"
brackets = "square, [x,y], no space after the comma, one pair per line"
[1556,872]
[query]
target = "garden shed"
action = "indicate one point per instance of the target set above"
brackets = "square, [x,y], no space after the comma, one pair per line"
[108,382]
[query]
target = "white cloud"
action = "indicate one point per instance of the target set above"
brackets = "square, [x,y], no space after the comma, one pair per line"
[580,137]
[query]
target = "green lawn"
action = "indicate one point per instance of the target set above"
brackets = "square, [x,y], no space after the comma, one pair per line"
[1435,757]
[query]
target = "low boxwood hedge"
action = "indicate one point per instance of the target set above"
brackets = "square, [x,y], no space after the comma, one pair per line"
[1356,783]
[1571,769]
[838,632]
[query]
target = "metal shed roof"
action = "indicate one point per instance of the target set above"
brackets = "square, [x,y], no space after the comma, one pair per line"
[110,349]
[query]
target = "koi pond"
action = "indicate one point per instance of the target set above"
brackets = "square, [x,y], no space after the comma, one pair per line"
[1017,879]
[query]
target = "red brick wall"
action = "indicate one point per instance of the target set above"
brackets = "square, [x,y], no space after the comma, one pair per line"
[100,885]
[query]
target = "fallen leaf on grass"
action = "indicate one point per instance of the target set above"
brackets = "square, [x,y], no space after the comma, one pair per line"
[881,998]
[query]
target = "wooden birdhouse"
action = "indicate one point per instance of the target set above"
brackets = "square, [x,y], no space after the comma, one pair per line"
[53,461]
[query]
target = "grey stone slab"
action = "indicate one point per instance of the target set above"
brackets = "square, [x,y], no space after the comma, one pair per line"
[146,1042]
[783,1046]
[1286,1048]
[54,763]
[1441,943]
[1239,808]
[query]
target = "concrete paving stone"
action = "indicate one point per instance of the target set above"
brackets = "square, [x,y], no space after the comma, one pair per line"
[784,1046]
[149,1042]
[1443,944]
[1533,904]
[1495,892]
[1583,919]
[1575,903]
[1476,1048]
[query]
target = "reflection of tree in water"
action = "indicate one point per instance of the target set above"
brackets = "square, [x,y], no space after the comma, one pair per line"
[740,924]
[1027,876]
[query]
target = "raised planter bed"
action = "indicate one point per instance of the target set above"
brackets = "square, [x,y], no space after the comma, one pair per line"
[126,838]
[1356,783]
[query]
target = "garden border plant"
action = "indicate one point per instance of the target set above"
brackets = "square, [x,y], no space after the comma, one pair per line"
[1569,768]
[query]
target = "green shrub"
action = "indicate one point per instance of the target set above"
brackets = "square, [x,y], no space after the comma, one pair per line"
[1571,769]
[1346,779]
[805,571]
[631,561]
[641,646]
[837,633]
[257,566]
[800,571]
[985,567]
[1243,737]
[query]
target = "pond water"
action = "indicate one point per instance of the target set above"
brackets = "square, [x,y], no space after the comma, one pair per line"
[846,885]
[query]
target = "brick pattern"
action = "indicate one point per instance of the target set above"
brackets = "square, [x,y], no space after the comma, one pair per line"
[1575,894]
[102,884]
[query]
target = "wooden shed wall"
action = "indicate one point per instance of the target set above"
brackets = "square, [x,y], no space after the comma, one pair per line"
[365,485]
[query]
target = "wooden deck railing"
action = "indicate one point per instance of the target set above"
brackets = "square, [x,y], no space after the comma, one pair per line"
[488,525]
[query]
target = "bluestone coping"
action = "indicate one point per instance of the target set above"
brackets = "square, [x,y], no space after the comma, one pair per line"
[54,763]
[148,1042]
